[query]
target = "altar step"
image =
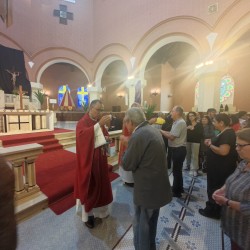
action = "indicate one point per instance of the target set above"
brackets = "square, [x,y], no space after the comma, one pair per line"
[28,207]
[67,139]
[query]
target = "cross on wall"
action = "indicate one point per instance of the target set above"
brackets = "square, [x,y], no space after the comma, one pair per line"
[63,14]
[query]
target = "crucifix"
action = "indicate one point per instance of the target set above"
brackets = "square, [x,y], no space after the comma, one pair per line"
[14,75]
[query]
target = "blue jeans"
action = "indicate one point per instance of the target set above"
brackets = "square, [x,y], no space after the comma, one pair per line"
[145,227]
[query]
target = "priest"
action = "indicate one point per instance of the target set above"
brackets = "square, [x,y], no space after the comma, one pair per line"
[92,186]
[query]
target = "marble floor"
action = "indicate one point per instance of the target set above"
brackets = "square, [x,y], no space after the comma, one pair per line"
[180,226]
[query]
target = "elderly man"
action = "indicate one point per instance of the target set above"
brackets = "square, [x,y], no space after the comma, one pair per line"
[177,142]
[92,186]
[146,158]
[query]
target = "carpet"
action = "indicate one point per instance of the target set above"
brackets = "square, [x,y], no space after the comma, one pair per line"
[47,139]
[55,173]
[67,202]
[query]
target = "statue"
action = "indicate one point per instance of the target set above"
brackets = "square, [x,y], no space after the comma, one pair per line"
[14,75]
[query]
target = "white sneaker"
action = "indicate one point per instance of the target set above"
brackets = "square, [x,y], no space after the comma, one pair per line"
[191,173]
[195,173]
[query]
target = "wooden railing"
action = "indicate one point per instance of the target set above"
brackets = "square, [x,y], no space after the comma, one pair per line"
[22,158]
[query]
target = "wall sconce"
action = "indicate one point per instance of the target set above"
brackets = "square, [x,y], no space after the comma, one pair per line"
[155,92]
[120,95]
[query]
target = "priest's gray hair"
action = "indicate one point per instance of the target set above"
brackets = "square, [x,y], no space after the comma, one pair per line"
[135,115]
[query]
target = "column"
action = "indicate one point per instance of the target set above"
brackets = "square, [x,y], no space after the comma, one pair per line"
[18,172]
[167,75]
[209,77]
[30,173]
[94,93]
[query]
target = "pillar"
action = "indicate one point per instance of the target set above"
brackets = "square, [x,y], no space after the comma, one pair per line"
[94,93]
[167,75]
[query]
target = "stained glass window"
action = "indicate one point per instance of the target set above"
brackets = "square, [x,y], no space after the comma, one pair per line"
[82,97]
[226,88]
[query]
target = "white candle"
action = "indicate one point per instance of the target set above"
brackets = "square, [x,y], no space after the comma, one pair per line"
[47,103]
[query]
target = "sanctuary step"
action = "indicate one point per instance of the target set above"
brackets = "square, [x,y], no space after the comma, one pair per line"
[51,140]
[67,139]
[28,207]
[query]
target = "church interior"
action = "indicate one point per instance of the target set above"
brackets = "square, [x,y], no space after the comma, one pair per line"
[57,56]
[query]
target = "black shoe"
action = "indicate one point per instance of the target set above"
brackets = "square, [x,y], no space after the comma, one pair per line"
[129,184]
[91,222]
[207,214]
[177,195]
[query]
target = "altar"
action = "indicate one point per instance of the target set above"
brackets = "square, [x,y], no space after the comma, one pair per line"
[18,121]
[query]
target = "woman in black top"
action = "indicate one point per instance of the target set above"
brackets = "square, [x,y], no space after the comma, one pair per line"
[221,162]
[194,137]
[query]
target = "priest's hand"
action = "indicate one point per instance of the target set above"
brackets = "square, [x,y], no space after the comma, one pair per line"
[105,120]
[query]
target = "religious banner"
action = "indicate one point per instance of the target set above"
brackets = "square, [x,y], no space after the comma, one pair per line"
[67,102]
[12,71]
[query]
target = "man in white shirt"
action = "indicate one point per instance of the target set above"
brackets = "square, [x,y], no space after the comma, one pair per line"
[177,142]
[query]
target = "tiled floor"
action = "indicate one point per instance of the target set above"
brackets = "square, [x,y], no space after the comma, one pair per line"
[179,226]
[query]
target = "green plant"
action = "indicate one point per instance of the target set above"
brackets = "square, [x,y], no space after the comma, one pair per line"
[85,106]
[149,110]
[40,96]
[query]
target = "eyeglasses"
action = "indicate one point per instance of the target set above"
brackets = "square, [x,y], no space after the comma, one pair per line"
[241,145]
[99,110]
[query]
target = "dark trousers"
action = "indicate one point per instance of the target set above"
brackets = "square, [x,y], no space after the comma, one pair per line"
[169,157]
[178,157]
[216,177]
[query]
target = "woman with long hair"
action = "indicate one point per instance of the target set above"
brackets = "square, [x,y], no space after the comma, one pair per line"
[194,137]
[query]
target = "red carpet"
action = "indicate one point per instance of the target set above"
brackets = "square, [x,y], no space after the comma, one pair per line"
[55,173]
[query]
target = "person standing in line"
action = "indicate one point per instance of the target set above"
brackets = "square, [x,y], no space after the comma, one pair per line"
[194,137]
[8,234]
[146,158]
[126,176]
[234,197]
[177,142]
[221,162]
[211,113]
[92,186]
[208,133]
[167,127]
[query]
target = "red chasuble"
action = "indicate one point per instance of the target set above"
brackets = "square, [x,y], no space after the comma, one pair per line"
[123,148]
[92,185]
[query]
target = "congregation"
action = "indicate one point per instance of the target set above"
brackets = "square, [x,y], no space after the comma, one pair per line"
[201,144]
